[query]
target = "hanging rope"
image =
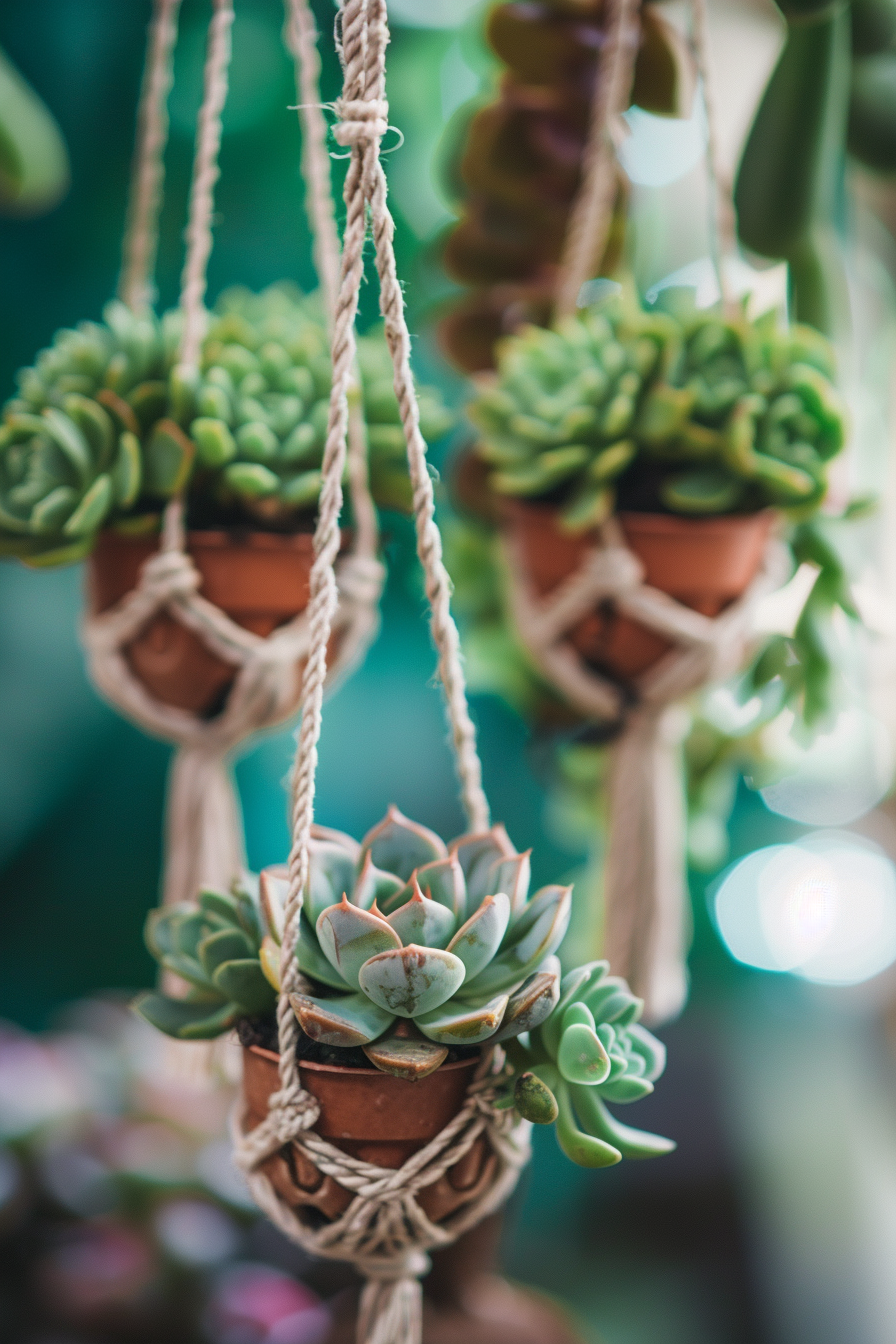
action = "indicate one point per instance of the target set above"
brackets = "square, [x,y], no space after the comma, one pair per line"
[723,232]
[141,240]
[384,1232]
[203,829]
[592,212]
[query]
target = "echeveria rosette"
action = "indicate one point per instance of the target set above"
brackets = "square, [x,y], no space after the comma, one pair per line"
[591,1050]
[213,947]
[691,414]
[105,428]
[412,946]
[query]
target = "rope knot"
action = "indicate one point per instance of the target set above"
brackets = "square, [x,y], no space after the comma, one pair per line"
[361,579]
[360,120]
[411,1264]
[170,574]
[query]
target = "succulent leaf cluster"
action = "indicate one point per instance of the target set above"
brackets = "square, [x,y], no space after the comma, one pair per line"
[105,427]
[403,929]
[213,947]
[690,414]
[590,1051]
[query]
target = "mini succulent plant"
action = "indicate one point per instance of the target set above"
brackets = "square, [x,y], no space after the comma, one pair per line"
[590,1051]
[105,429]
[408,947]
[214,948]
[690,414]
[413,946]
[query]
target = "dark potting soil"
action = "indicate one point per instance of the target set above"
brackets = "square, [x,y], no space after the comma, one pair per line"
[262,1031]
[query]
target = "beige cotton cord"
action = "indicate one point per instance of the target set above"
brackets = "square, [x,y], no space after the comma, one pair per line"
[383,1232]
[203,827]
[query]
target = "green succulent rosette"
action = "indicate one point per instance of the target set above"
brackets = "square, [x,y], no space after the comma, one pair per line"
[690,414]
[105,428]
[408,947]
[590,1051]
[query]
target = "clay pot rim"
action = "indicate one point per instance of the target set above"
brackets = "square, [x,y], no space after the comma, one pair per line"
[221,539]
[658,522]
[350,1070]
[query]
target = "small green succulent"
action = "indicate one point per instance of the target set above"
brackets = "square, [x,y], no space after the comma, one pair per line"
[403,929]
[591,1050]
[690,414]
[215,948]
[105,428]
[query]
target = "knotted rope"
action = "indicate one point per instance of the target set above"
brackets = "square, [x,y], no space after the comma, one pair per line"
[204,830]
[384,1231]
[645,922]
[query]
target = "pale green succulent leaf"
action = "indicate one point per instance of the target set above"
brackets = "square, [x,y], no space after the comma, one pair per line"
[410,981]
[68,437]
[651,1050]
[423,921]
[462,1023]
[511,875]
[374,884]
[577,1013]
[582,1057]
[215,445]
[349,937]
[531,1004]
[345,1020]
[331,875]
[188,968]
[50,513]
[312,960]
[398,845]
[273,889]
[186,1021]
[127,473]
[243,982]
[477,941]
[525,953]
[443,881]
[626,1089]
[583,1149]
[224,945]
[597,1120]
[167,460]
[92,510]
[477,854]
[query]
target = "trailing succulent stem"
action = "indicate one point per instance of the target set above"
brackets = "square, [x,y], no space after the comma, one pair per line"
[692,414]
[590,1051]
[106,427]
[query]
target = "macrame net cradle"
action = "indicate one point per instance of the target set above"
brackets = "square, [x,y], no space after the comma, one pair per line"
[646,912]
[384,1232]
[204,840]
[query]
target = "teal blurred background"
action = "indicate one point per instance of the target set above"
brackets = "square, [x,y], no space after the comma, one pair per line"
[775,1219]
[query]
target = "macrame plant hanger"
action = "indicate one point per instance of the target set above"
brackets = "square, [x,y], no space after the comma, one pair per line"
[204,828]
[646,922]
[384,1233]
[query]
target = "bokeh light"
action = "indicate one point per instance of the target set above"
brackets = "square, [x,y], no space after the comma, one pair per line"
[842,775]
[823,908]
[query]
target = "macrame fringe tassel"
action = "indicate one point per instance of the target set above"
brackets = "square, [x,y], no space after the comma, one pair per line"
[646,930]
[391,1308]
[204,831]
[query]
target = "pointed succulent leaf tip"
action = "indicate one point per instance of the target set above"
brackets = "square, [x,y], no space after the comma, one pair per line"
[398,845]
[411,980]
[346,842]
[476,855]
[375,887]
[312,961]
[524,953]
[422,921]
[534,1100]
[443,881]
[532,1003]
[273,889]
[346,1020]
[597,1120]
[459,1023]
[512,876]
[581,1057]
[477,941]
[331,872]
[348,937]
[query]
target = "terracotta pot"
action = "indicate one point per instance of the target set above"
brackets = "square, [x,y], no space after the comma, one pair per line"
[261,580]
[373,1116]
[704,563]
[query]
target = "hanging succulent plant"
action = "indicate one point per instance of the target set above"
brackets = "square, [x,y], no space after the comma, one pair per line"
[591,1050]
[409,947]
[693,415]
[104,430]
